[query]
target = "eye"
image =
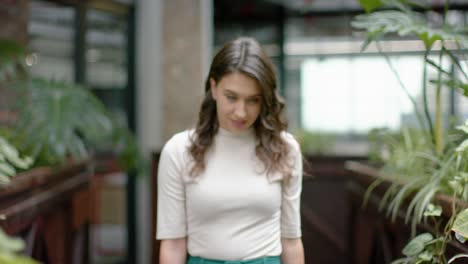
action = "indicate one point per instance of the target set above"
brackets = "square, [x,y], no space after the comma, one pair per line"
[253,101]
[231,98]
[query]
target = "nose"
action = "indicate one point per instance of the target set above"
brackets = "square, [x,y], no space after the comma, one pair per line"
[240,111]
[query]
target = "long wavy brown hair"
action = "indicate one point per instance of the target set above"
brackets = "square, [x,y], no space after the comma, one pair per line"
[245,55]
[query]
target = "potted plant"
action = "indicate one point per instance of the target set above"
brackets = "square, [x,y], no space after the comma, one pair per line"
[430,162]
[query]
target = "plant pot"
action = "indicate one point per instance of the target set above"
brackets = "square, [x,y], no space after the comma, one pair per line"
[39,176]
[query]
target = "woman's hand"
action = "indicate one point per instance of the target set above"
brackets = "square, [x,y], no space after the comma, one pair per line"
[173,251]
[293,251]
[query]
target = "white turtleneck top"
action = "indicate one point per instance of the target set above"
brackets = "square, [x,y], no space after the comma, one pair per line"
[233,210]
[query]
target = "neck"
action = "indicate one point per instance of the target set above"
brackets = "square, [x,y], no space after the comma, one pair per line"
[244,133]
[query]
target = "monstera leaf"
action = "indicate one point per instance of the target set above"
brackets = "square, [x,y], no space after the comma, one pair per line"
[57,117]
[59,120]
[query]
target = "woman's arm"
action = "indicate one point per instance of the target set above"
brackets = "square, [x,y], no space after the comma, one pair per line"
[173,251]
[293,251]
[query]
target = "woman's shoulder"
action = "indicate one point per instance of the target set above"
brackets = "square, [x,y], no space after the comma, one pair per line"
[182,136]
[179,141]
[290,140]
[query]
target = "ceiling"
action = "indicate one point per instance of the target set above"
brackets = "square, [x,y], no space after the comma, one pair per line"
[317,5]
[344,5]
[269,8]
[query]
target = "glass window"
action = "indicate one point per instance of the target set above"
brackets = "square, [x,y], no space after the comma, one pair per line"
[51,41]
[106,40]
[333,89]
[106,59]
[107,77]
[356,94]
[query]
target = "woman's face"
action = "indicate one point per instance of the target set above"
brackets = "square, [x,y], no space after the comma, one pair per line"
[238,101]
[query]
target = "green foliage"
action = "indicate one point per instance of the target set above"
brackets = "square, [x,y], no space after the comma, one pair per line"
[433,210]
[427,160]
[315,142]
[408,153]
[418,176]
[370,5]
[376,147]
[460,225]
[9,248]
[57,120]
[420,250]
[56,117]
[417,244]
[404,22]
[125,144]
[10,161]
[10,56]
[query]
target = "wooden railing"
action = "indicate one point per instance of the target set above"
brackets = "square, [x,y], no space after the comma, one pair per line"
[374,237]
[325,209]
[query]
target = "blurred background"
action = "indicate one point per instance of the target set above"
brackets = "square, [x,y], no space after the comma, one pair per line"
[147,60]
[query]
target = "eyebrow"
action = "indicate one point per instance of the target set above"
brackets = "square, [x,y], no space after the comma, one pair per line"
[234,93]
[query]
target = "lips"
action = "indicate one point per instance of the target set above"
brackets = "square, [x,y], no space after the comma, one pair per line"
[238,123]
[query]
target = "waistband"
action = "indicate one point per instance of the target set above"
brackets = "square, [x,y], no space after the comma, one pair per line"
[264,260]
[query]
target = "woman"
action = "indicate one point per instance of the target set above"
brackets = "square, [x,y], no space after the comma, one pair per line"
[229,190]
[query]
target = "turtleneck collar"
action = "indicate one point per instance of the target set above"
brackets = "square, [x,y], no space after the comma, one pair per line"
[243,134]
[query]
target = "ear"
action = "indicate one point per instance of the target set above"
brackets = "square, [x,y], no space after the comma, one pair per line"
[213,88]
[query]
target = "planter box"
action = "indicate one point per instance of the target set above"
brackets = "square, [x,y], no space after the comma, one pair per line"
[374,237]
[37,177]
[48,208]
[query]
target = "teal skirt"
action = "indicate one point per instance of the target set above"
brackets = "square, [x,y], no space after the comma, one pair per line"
[265,260]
